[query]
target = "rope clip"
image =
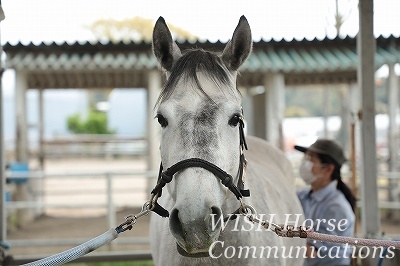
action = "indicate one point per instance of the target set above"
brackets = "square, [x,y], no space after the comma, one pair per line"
[131,219]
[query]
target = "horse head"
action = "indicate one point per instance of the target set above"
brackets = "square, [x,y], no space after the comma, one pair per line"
[200,114]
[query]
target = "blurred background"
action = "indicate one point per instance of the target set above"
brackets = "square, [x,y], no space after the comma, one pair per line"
[80,144]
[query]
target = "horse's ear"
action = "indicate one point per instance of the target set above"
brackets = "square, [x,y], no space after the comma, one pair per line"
[239,47]
[165,49]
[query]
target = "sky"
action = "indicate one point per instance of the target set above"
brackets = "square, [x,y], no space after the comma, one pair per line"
[59,20]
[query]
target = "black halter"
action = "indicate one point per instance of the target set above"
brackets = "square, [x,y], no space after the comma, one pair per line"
[166,176]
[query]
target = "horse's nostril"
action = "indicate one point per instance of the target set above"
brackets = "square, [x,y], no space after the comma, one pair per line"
[216,212]
[216,219]
[176,224]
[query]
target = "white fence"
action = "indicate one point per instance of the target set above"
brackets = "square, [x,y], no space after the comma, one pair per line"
[82,194]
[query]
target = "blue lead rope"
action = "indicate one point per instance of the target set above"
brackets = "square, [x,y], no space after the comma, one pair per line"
[77,252]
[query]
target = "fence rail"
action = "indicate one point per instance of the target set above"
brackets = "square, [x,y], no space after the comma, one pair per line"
[93,145]
[105,191]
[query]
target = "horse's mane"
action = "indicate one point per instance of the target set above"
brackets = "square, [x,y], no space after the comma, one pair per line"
[189,64]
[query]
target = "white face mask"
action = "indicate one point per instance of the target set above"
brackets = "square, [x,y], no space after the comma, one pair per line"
[305,172]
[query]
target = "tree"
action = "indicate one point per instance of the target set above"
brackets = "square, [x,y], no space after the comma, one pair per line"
[95,123]
[340,15]
[136,29]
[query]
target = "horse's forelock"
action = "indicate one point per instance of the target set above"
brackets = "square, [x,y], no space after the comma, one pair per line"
[187,68]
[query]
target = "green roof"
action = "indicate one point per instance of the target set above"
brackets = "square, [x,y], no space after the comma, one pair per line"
[85,65]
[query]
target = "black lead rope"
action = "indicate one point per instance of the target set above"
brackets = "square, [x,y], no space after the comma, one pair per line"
[166,176]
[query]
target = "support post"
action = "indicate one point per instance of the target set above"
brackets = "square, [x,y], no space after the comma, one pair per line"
[21,193]
[355,107]
[370,215]
[325,107]
[393,137]
[153,138]
[41,129]
[259,122]
[343,136]
[3,213]
[39,183]
[247,104]
[275,108]
[21,87]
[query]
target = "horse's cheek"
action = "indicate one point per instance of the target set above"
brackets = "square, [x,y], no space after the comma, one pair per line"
[171,189]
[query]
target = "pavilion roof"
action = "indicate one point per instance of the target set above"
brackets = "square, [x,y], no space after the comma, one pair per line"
[126,65]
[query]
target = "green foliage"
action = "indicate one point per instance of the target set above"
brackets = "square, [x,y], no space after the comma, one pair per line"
[95,123]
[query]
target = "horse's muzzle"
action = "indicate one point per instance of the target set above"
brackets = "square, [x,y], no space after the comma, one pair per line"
[191,255]
[194,235]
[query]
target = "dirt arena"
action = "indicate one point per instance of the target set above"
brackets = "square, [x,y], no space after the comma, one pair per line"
[85,185]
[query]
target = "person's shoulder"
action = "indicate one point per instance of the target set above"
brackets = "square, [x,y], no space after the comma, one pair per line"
[338,206]
[301,193]
[336,196]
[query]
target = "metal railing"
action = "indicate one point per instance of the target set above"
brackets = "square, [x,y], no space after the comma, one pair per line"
[104,197]
[94,146]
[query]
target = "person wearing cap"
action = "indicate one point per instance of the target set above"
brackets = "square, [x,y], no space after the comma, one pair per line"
[328,203]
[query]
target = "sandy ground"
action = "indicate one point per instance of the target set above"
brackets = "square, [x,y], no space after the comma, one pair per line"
[85,186]
[80,229]
[87,223]
[84,182]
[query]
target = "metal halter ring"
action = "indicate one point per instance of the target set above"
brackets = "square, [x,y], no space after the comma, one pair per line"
[246,209]
[152,202]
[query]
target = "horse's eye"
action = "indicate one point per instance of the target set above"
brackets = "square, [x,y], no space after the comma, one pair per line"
[234,121]
[161,119]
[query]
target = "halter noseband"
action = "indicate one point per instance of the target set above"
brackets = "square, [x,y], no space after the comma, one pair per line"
[166,176]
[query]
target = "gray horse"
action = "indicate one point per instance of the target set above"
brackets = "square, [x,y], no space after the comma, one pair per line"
[203,148]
